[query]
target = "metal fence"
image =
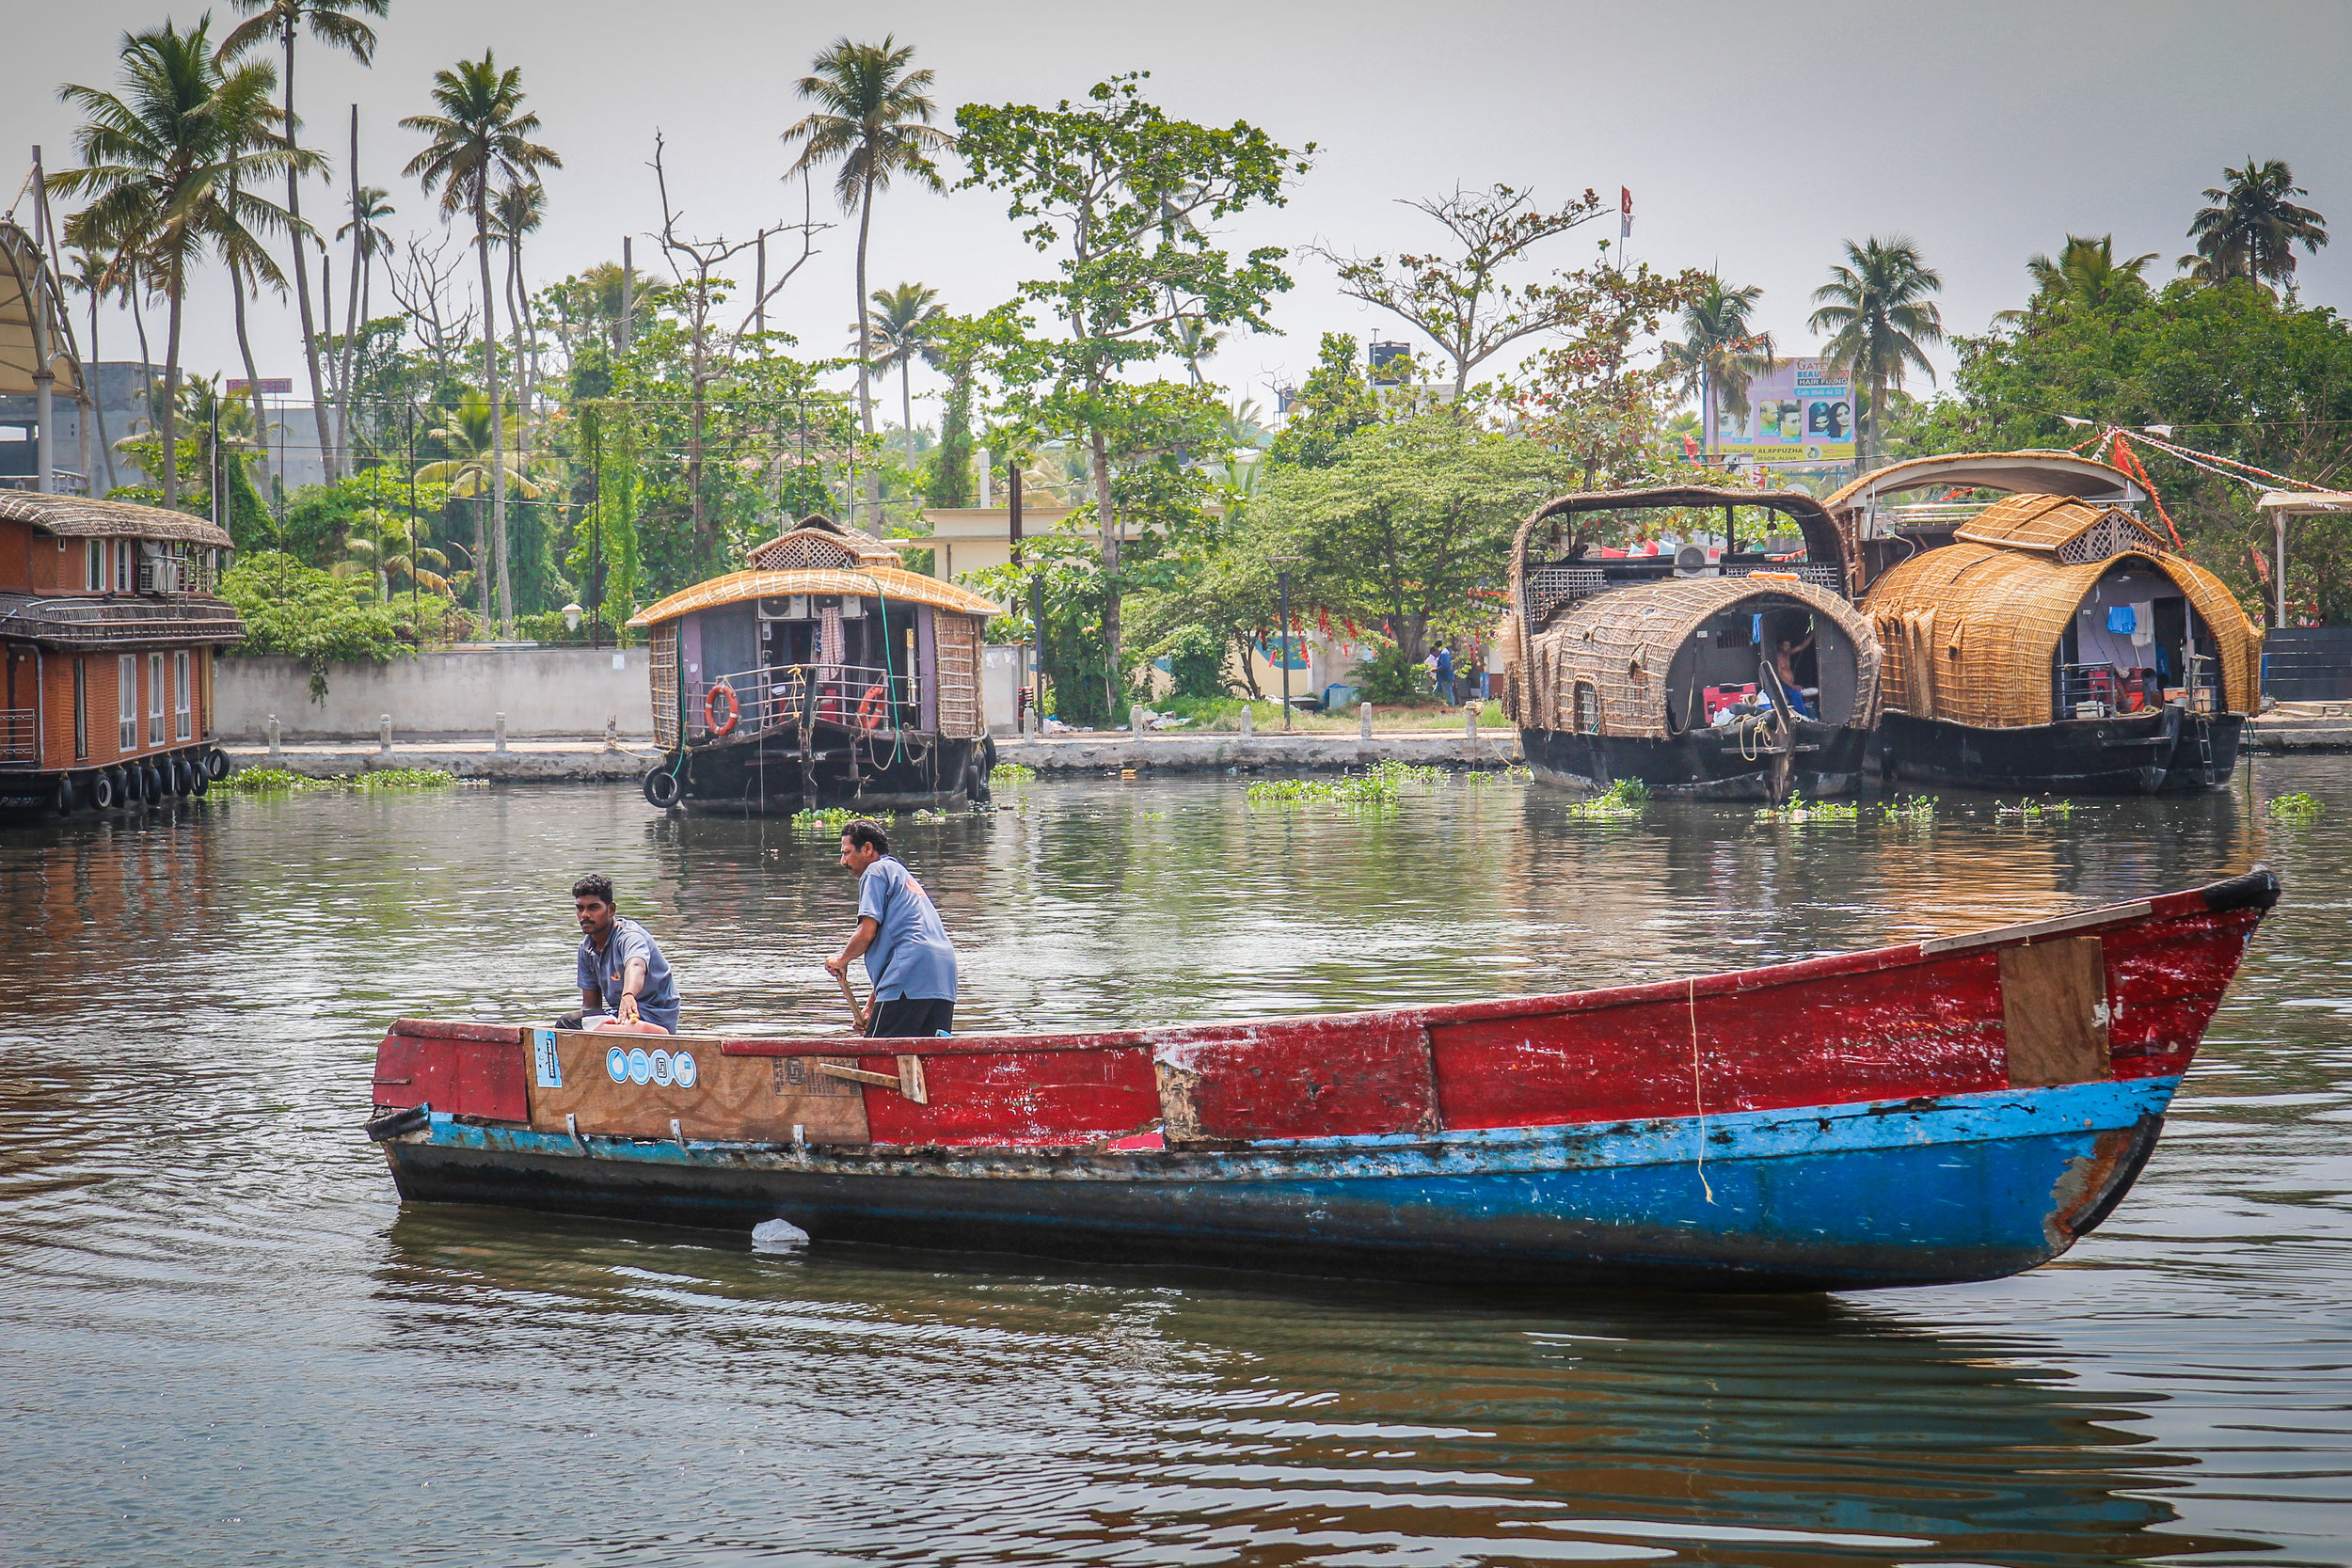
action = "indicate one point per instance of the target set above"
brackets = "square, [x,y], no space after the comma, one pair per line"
[777,697]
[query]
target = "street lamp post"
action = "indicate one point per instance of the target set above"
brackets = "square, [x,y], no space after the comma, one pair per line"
[1283,578]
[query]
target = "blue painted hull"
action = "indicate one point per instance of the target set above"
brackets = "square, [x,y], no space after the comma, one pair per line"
[1878,1193]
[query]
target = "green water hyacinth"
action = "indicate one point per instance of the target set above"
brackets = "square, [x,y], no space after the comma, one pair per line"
[2296,808]
[1619,803]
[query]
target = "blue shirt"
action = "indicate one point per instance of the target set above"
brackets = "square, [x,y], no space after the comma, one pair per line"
[1445,664]
[603,973]
[911,955]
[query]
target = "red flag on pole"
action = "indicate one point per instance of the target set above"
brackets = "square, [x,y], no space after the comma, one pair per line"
[1625,213]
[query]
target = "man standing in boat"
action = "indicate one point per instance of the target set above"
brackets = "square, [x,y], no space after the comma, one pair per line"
[622,971]
[908,956]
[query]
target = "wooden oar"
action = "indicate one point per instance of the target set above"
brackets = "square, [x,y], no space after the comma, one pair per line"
[848,994]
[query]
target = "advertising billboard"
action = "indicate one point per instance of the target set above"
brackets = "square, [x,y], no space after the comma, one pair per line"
[1800,413]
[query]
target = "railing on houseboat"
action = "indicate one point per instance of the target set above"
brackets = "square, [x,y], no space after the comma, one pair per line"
[2102,691]
[20,738]
[775,697]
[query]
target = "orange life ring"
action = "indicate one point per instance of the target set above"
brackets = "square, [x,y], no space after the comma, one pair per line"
[869,712]
[710,709]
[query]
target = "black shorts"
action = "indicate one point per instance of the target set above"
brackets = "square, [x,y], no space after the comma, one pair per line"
[913,1018]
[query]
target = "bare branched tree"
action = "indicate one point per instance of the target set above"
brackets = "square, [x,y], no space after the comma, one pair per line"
[420,281]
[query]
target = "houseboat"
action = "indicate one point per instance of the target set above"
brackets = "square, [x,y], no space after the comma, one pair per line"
[1665,669]
[2040,635]
[110,621]
[825,675]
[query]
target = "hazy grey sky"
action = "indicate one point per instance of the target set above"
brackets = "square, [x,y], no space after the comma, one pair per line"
[1755,138]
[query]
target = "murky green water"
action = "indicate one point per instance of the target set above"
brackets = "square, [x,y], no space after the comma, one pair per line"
[224,1342]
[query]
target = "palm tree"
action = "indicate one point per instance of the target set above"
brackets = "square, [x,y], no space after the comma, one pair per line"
[874,117]
[2251,229]
[386,546]
[480,139]
[1721,354]
[2086,275]
[477,437]
[95,278]
[370,206]
[331,24]
[904,326]
[1877,314]
[1196,342]
[171,164]
[521,207]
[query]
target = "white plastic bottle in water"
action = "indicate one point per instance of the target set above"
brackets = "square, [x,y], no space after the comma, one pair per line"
[778,1236]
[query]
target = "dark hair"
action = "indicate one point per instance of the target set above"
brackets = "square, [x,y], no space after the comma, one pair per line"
[594,886]
[866,832]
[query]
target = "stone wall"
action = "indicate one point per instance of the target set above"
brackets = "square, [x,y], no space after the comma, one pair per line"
[543,691]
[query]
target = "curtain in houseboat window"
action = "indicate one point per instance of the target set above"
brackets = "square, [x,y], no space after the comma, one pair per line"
[127,689]
[180,706]
[154,698]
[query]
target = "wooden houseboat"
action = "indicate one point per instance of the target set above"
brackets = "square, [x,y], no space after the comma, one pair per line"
[2048,638]
[824,674]
[1956,1108]
[109,622]
[1662,669]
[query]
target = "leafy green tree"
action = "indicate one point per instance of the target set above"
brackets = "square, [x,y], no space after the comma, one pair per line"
[1721,351]
[480,141]
[303,613]
[332,24]
[1463,303]
[954,351]
[170,166]
[2086,275]
[1410,523]
[875,121]
[1877,314]
[1118,189]
[1335,403]
[2250,228]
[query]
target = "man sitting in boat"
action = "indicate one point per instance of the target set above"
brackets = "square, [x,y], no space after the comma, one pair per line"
[908,956]
[622,971]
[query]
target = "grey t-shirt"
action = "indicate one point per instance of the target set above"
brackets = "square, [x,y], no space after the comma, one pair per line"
[911,955]
[603,973]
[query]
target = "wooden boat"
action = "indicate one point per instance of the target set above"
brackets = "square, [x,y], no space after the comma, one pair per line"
[825,675]
[1659,668]
[1954,1109]
[2047,638]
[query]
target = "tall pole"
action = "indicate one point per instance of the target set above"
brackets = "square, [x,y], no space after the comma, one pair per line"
[595,529]
[1284,579]
[412,508]
[2278,577]
[45,351]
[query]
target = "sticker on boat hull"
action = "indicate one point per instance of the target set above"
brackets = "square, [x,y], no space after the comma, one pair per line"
[616,1065]
[661,1069]
[551,1067]
[682,1069]
[639,1066]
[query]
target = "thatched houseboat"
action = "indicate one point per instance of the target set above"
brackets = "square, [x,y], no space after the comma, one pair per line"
[1667,669]
[2056,644]
[825,675]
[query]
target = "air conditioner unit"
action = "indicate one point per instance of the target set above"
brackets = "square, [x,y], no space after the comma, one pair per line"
[786,607]
[852,608]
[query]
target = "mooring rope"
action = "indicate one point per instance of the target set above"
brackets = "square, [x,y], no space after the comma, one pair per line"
[1698,1093]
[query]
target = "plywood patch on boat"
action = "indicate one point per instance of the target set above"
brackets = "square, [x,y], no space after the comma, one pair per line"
[2054,1007]
[718,1097]
[1303,1079]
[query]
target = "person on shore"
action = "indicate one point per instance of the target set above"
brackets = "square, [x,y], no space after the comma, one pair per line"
[1444,667]
[909,960]
[622,971]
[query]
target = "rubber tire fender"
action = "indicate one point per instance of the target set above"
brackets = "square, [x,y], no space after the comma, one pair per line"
[104,790]
[198,779]
[216,764]
[66,802]
[663,789]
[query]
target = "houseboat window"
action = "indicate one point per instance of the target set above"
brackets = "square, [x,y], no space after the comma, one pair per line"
[154,698]
[180,706]
[127,687]
[94,573]
[122,565]
[81,707]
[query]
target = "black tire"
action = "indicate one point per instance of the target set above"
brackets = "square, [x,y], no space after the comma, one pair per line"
[104,790]
[198,781]
[216,764]
[66,802]
[175,776]
[663,788]
[156,785]
[127,786]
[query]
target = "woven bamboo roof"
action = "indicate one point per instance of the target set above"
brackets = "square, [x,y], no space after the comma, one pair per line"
[2050,523]
[1970,630]
[817,541]
[1623,642]
[80,517]
[1822,543]
[890,582]
[2046,473]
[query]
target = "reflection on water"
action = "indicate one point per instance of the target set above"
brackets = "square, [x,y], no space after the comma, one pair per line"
[227,1345]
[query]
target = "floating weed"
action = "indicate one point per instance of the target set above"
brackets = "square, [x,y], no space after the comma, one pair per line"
[2296,808]
[2033,810]
[1919,808]
[1372,789]
[833,818]
[278,780]
[1620,800]
[1798,809]
[1011,773]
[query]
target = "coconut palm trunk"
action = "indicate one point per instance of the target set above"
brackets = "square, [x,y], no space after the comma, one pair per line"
[302,276]
[866,356]
[498,423]
[171,385]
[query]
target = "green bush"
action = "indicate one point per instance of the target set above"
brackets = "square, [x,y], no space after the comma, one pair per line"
[304,613]
[1195,660]
[1388,677]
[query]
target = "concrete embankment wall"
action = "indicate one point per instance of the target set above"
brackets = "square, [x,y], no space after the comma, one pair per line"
[543,691]
[1218,751]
